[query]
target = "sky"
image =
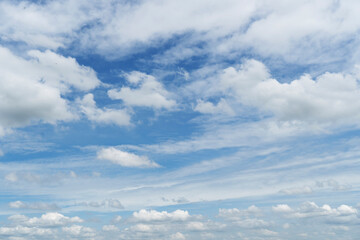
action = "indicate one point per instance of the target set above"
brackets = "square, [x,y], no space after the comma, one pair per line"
[166,119]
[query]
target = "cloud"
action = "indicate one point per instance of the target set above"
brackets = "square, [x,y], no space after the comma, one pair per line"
[35,94]
[340,215]
[148,228]
[297,190]
[38,28]
[63,72]
[110,228]
[235,213]
[210,108]
[153,215]
[177,236]
[125,159]
[118,117]
[11,177]
[79,231]
[34,205]
[108,203]
[21,230]
[51,219]
[282,208]
[148,92]
[326,100]
[25,99]
[196,226]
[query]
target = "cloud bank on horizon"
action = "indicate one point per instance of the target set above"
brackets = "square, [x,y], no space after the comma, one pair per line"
[156,119]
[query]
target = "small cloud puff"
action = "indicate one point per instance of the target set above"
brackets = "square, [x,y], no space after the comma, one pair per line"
[125,159]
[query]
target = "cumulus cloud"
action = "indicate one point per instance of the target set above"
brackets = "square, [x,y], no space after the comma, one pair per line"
[63,72]
[235,213]
[34,205]
[342,214]
[297,190]
[153,215]
[329,100]
[21,230]
[25,99]
[125,159]
[110,228]
[148,92]
[79,231]
[51,219]
[208,107]
[108,203]
[148,228]
[37,25]
[119,117]
[34,94]
[282,208]
[177,236]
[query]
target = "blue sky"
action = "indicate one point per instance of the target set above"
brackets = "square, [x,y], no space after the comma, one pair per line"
[179,119]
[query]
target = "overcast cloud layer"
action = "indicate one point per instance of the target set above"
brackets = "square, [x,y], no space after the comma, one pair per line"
[157,119]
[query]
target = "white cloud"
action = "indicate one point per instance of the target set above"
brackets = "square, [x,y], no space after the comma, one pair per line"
[196,226]
[252,223]
[148,92]
[108,203]
[62,73]
[11,177]
[177,236]
[118,117]
[329,99]
[79,231]
[125,159]
[34,94]
[208,107]
[51,219]
[110,228]
[340,215]
[153,215]
[21,230]
[282,208]
[267,232]
[25,99]
[34,205]
[235,213]
[297,190]
[36,24]
[148,228]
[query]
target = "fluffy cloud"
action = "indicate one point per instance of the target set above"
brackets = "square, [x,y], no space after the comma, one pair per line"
[208,107]
[331,99]
[52,219]
[153,215]
[21,230]
[148,228]
[148,92]
[227,28]
[34,206]
[282,208]
[297,190]
[110,228]
[125,159]
[177,236]
[35,93]
[118,117]
[339,215]
[63,72]
[108,203]
[79,231]
[235,213]
[47,25]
